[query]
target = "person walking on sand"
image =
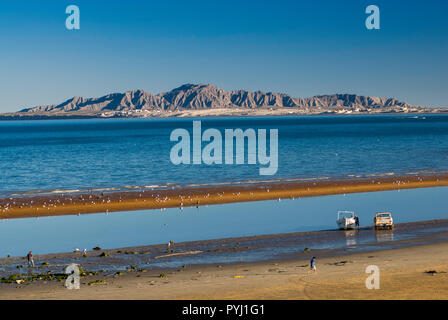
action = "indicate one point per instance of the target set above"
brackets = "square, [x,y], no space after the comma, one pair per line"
[29,256]
[313,265]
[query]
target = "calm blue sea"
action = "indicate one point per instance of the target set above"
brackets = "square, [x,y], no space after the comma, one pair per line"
[108,154]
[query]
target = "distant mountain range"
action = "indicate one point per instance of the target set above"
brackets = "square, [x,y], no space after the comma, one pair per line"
[200,100]
[205,96]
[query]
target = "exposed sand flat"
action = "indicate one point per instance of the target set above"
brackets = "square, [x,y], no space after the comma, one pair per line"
[403,275]
[167,198]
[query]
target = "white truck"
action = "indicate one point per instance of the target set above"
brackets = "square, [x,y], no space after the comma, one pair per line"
[383,220]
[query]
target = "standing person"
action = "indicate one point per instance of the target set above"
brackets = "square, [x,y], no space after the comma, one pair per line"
[313,264]
[356,221]
[29,256]
[170,246]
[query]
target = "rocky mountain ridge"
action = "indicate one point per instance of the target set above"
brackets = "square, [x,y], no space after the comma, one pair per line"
[205,96]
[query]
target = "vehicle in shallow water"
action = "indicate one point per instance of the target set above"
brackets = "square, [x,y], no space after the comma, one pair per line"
[383,220]
[346,220]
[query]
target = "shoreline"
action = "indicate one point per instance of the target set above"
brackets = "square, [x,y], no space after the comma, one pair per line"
[218,113]
[266,241]
[71,204]
[415,269]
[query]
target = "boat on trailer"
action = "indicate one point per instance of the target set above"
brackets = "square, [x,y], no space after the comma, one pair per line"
[346,220]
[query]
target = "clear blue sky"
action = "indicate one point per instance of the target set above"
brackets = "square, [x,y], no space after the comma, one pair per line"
[302,48]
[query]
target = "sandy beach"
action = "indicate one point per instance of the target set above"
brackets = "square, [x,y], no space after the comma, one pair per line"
[22,207]
[410,268]
[418,272]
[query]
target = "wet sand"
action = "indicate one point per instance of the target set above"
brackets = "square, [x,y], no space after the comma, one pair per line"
[418,272]
[414,266]
[167,198]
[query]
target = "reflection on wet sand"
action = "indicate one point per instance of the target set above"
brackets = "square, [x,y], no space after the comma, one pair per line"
[236,250]
[384,235]
[350,238]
